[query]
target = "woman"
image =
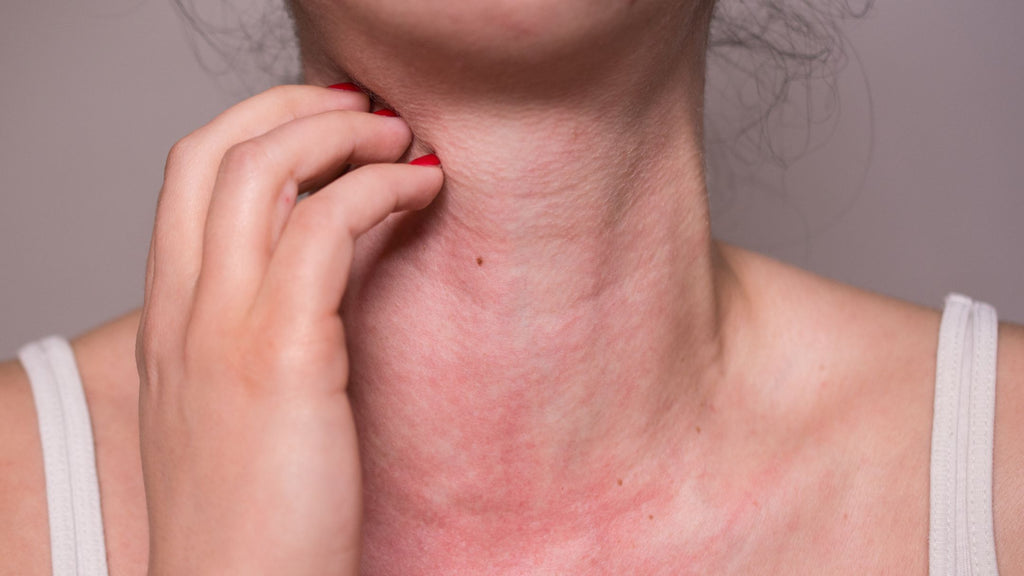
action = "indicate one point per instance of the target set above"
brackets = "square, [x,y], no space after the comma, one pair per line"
[542,364]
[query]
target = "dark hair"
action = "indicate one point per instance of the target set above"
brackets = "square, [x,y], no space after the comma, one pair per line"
[771,99]
[762,51]
[247,48]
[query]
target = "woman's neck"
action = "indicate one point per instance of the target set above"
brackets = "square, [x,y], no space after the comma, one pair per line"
[542,344]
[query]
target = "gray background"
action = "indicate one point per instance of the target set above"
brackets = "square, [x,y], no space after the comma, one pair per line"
[914,196]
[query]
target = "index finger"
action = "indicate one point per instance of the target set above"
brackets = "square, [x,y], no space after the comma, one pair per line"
[190,173]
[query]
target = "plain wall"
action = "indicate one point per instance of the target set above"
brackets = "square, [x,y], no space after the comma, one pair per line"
[916,193]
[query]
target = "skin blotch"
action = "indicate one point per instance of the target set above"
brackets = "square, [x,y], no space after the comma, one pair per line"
[479,261]
[697,429]
[619,481]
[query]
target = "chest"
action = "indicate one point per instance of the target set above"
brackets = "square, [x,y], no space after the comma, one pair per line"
[872,520]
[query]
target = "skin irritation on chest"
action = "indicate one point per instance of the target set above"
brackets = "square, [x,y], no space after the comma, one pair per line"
[638,519]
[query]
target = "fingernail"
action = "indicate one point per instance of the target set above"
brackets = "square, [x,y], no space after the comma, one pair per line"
[347,86]
[387,112]
[428,160]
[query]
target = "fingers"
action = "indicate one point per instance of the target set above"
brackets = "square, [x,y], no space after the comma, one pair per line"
[219,388]
[190,173]
[309,269]
[259,181]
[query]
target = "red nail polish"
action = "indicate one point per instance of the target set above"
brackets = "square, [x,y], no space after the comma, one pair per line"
[387,112]
[428,160]
[347,86]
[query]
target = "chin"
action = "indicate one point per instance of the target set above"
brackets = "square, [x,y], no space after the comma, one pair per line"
[495,30]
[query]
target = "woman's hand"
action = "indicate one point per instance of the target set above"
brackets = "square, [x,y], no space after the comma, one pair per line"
[248,444]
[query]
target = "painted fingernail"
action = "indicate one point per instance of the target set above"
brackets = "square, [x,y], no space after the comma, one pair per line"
[428,160]
[387,112]
[347,86]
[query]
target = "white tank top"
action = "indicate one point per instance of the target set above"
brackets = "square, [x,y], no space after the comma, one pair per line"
[961,540]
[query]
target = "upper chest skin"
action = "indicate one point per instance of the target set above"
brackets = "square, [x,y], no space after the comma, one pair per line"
[851,499]
[774,521]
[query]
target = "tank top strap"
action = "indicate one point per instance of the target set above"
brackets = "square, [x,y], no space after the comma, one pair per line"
[961,532]
[77,545]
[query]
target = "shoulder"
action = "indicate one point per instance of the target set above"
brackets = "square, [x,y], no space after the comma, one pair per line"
[1008,464]
[884,352]
[854,358]
[24,533]
[106,363]
[856,386]
[866,334]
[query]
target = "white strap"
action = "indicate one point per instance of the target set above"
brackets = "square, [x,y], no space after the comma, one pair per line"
[72,489]
[961,538]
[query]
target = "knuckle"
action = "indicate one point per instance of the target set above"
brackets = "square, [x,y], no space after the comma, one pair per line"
[181,154]
[150,354]
[286,98]
[147,341]
[284,92]
[249,158]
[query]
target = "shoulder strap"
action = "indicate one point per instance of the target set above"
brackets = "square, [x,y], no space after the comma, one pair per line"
[961,538]
[72,490]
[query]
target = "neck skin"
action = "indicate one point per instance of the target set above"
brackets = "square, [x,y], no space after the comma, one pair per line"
[534,355]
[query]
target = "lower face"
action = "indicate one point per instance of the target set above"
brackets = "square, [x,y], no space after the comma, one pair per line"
[498,32]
